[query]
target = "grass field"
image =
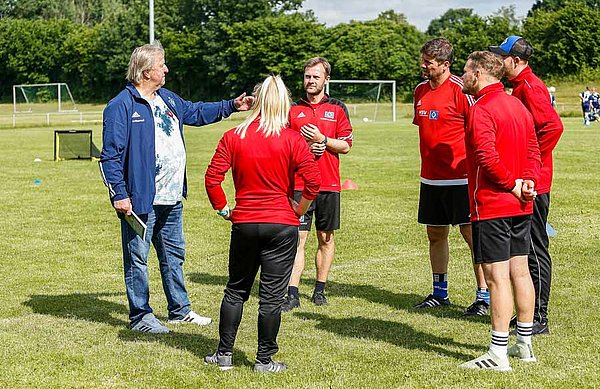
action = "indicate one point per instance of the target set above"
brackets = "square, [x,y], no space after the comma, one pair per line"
[63,309]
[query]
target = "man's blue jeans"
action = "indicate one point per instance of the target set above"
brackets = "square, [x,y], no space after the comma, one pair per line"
[165,229]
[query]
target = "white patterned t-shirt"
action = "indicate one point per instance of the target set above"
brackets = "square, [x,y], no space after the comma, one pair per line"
[170,154]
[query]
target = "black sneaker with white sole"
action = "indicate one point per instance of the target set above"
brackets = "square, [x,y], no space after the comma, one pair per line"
[478,308]
[431,301]
[224,361]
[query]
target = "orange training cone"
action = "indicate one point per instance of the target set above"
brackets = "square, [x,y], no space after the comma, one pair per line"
[349,185]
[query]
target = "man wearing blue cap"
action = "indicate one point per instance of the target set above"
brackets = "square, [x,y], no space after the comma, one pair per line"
[532,92]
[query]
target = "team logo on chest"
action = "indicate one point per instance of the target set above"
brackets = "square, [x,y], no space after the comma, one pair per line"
[329,115]
[171,101]
[434,115]
[301,115]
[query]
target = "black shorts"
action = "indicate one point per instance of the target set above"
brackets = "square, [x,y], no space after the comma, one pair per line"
[326,211]
[444,205]
[498,240]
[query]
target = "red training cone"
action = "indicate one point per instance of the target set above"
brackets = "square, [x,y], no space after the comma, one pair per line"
[349,185]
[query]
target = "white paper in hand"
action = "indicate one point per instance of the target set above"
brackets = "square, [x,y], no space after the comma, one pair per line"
[136,224]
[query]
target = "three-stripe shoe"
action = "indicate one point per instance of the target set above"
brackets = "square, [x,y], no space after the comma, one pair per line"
[224,361]
[150,324]
[194,318]
[523,351]
[271,367]
[431,301]
[488,361]
[478,308]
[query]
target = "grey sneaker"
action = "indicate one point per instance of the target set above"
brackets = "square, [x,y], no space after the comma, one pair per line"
[319,298]
[271,367]
[290,302]
[150,324]
[488,361]
[224,361]
[523,351]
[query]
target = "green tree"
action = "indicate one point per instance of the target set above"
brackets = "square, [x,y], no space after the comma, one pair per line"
[276,44]
[384,48]
[31,51]
[564,40]
[470,32]
[555,5]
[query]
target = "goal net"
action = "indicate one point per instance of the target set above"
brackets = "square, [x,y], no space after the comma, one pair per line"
[43,98]
[74,144]
[367,100]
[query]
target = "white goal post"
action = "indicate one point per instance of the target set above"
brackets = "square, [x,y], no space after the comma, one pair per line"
[367,97]
[49,97]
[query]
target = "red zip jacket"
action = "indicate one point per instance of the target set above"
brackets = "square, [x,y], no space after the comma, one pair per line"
[501,147]
[533,93]
[332,119]
[263,171]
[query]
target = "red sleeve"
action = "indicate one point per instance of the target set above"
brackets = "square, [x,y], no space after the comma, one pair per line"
[486,155]
[534,162]
[215,174]
[548,126]
[307,168]
[344,128]
[415,99]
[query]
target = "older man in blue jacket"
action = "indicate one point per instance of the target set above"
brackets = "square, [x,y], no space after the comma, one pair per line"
[143,165]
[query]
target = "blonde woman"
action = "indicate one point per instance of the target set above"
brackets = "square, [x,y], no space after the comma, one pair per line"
[263,154]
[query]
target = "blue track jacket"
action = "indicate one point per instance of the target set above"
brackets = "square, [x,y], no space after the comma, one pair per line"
[127,161]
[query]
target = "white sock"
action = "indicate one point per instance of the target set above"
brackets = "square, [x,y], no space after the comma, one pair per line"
[524,331]
[499,344]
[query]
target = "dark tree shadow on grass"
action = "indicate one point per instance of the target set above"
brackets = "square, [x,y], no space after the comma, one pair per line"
[395,333]
[398,301]
[93,308]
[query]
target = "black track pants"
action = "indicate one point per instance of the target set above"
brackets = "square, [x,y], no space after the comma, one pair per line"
[540,263]
[272,248]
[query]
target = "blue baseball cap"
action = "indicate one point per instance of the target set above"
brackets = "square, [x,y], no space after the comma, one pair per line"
[507,47]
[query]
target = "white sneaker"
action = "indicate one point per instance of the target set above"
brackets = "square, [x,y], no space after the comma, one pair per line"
[192,317]
[488,361]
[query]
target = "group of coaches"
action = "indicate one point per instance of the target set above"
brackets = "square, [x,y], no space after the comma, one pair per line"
[143,127]
[498,149]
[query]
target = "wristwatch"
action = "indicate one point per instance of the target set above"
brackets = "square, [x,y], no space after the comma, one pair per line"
[324,141]
[224,212]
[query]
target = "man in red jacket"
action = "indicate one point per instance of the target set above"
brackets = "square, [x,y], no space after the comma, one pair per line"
[533,93]
[325,124]
[503,162]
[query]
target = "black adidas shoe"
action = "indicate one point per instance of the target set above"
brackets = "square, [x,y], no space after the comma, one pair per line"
[224,361]
[478,308]
[319,298]
[539,328]
[431,301]
[290,303]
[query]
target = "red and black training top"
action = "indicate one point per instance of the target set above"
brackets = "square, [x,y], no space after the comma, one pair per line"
[533,93]
[501,147]
[332,119]
[263,170]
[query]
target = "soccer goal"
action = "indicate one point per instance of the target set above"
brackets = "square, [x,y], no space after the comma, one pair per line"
[367,100]
[74,144]
[43,98]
